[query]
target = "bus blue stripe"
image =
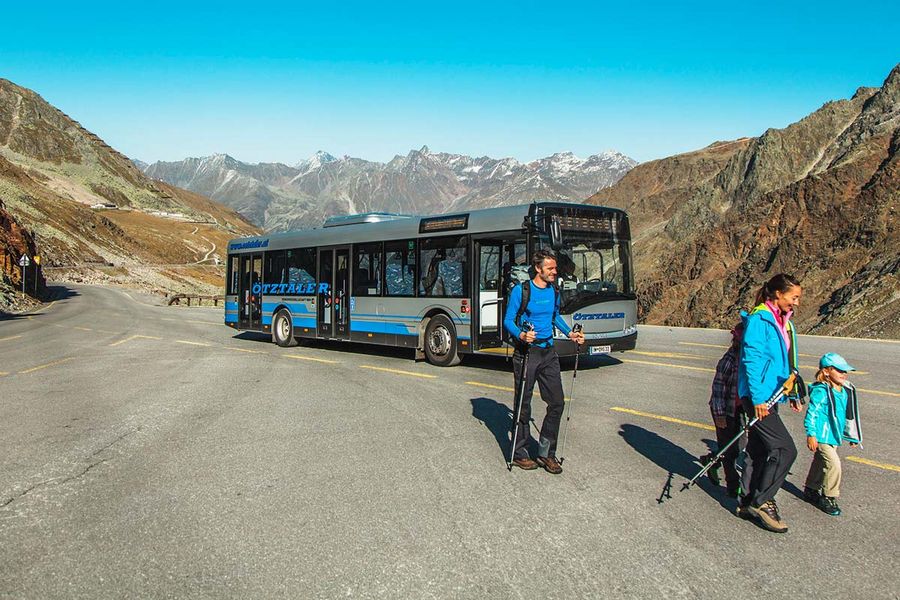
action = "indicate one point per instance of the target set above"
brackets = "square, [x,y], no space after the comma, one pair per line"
[297,307]
[231,306]
[231,318]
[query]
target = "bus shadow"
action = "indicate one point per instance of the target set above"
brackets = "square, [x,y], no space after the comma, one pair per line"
[673,460]
[566,363]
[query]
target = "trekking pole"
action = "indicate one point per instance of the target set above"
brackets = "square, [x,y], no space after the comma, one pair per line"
[526,327]
[562,446]
[784,389]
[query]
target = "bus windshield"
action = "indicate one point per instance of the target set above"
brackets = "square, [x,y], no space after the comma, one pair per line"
[594,262]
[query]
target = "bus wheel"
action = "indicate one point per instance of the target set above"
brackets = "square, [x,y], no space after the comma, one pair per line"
[440,342]
[283,329]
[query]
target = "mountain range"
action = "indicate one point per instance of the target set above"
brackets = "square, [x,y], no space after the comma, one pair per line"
[279,197]
[818,199]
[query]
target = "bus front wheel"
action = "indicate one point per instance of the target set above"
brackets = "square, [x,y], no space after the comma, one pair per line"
[440,342]
[283,329]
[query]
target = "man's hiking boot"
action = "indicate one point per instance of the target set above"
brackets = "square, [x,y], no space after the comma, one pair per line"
[812,496]
[550,464]
[768,517]
[829,506]
[743,511]
[525,463]
[713,472]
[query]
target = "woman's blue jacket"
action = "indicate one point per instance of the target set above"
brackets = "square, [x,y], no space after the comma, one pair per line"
[765,364]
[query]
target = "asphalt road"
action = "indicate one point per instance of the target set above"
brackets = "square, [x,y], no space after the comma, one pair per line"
[150,451]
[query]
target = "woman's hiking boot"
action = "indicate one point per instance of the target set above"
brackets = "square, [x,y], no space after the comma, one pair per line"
[829,506]
[768,517]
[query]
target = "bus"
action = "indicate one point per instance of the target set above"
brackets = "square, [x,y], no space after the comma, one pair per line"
[436,284]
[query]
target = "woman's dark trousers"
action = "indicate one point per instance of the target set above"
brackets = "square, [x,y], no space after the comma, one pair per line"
[772,452]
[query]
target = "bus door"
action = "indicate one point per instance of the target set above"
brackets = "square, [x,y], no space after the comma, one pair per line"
[341,285]
[489,299]
[250,300]
[333,301]
[496,260]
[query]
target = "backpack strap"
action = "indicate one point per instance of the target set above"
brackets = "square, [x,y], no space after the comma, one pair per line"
[526,298]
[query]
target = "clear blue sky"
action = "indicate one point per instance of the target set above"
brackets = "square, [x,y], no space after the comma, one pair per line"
[276,82]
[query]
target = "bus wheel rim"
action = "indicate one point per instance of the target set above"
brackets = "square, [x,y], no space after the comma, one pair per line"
[439,341]
[283,328]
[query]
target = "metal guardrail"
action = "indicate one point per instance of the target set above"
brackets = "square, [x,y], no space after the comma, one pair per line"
[177,299]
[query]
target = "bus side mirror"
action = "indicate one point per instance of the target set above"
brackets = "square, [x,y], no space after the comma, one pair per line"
[556,236]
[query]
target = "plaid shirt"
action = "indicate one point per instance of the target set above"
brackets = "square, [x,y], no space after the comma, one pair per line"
[724,397]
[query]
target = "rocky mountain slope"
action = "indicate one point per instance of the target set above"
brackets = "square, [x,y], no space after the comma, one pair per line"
[279,197]
[94,215]
[818,199]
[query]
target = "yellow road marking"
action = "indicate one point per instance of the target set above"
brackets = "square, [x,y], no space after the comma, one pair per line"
[726,346]
[192,343]
[399,372]
[245,350]
[82,328]
[50,364]
[702,345]
[872,463]
[659,364]
[319,360]
[892,394]
[669,355]
[12,337]
[135,337]
[499,387]
[493,387]
[664,418]
[3,373]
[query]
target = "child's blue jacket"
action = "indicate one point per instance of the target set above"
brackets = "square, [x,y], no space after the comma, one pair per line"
[833,417]
[765,364]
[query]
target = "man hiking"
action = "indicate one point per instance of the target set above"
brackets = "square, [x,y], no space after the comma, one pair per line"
[540,308]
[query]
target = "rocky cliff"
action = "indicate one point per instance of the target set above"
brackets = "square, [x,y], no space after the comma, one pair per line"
[818,199]
[94,214]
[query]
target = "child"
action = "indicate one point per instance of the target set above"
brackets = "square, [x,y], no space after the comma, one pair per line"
[832,417]
[724,404]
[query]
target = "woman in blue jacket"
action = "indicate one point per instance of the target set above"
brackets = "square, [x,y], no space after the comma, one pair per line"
[768,354]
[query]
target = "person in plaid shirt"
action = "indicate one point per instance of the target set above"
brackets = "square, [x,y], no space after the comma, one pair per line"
[726,409]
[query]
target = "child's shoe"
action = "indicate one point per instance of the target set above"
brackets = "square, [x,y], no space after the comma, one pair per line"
[812,496]
[829,506]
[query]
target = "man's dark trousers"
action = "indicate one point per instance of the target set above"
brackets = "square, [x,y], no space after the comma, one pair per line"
[772,452]
[543,368]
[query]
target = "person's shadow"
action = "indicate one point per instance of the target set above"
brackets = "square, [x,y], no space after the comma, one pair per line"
[498,418]
[674,460]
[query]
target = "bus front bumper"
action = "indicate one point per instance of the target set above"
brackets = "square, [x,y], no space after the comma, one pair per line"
[566,347]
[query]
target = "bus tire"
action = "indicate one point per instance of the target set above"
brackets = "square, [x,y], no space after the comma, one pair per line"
[440,342]
[283,329]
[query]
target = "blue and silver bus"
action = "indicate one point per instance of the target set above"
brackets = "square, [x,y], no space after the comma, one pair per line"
[436,284]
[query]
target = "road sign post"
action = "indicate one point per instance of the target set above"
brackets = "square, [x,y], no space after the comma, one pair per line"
[24,261]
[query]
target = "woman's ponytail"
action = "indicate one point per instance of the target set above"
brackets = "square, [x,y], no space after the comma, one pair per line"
[779,283]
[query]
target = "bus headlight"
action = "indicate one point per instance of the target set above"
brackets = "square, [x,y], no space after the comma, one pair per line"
[630,330]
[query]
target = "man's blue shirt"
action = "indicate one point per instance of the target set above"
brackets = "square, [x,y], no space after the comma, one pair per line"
[542,312]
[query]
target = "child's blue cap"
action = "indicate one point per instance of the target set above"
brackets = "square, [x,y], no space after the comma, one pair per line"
[833,359]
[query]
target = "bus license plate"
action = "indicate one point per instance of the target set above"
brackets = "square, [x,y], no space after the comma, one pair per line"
[600,349]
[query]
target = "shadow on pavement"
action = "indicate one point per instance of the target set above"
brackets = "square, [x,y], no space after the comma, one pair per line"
[52,293]
[497,418]
[672,459]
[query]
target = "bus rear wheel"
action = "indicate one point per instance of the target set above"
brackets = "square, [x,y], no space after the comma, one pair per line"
[283,329]
[440,342]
